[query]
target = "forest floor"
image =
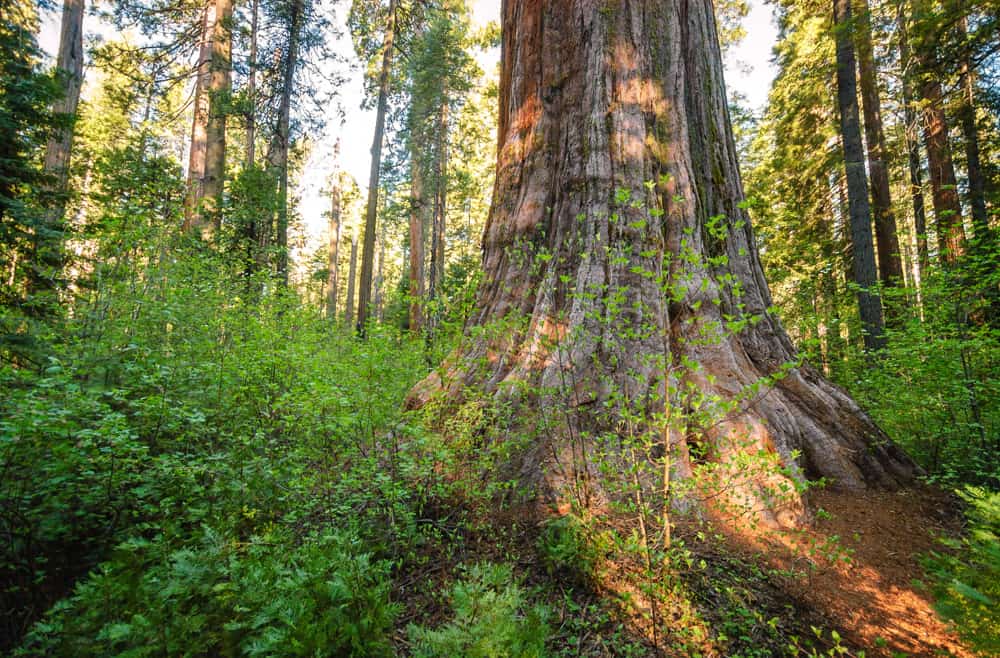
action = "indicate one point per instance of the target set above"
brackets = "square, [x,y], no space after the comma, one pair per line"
[857,569]
[854,573]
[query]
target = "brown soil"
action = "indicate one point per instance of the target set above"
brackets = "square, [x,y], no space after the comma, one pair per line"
[858,563]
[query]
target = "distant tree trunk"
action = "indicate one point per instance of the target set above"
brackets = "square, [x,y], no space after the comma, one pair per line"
[251,116]
[912,145]
[941,169]
[193,220]
[890,263]
[616,160]
[973,166]
[48,242]
[371,212]
[69,64]
[352,275]
[417,212]
[944,186]
[862,248]
[333,251]
[440,203]
[278,158]
[220,88]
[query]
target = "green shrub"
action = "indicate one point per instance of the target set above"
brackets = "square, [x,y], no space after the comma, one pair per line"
[966,583]
[324,597]
[493,619]
[567,546]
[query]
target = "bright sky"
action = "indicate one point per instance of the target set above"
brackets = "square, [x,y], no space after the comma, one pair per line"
[748,70]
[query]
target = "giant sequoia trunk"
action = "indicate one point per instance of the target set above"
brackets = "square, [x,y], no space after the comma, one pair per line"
[616,162]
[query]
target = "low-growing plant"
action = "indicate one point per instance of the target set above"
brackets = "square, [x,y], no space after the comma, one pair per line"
[493,618]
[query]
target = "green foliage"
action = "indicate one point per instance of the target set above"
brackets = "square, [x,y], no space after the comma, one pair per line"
[29,246]
[493,619]
[264,597]
[934,388]
[569,546]
[966,579]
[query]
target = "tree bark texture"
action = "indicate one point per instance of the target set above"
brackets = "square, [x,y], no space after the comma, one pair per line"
[371,211]
[616,159]
[197,155]
[890,263]
[862,247]
[219,89]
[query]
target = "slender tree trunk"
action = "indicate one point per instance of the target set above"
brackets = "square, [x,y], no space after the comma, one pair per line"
[912,144]
[890,263]
[440,203]
[379,279]
[251,116]
[220,88]
[862,248]
[371,212]
[352,275]
[616,173]
[199,124]
[282,138]
[333,250]
[417,213]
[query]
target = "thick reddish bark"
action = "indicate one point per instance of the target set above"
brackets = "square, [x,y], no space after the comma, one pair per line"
[615,152]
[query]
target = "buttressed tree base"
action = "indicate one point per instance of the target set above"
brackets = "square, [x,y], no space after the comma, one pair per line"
[618,235]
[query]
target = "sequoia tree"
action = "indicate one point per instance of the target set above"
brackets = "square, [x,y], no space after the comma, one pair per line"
[618,254]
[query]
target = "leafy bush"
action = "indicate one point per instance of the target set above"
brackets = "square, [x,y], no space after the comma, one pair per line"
[324,597]
[493,619]
[966,583]
[567,545]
